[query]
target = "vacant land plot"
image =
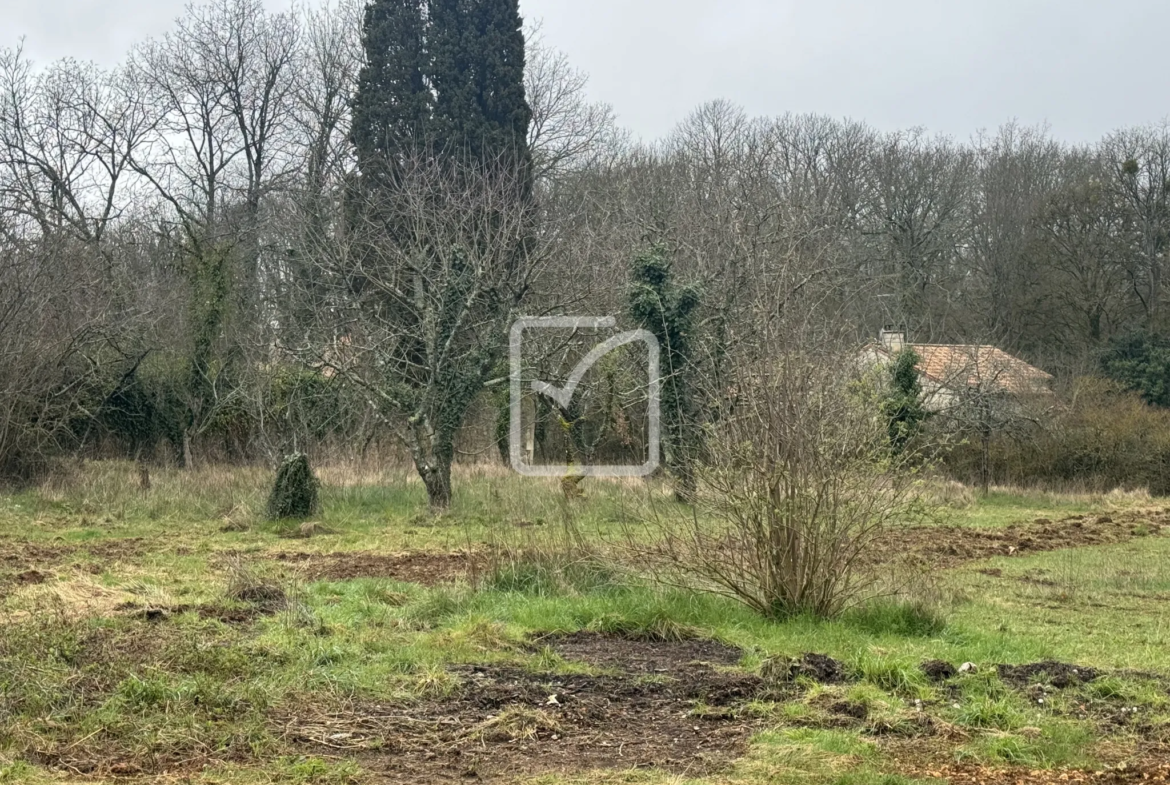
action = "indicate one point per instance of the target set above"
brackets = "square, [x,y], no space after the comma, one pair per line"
[171,635]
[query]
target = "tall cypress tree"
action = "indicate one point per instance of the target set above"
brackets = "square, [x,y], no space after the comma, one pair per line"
[444,79]
[393,104]
[477,70]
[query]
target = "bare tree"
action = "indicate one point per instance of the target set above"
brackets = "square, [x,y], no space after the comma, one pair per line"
[1140,164]
[417,318]
[1081,244]
[67,138]
[567,131]
[919,189]
[1016,170]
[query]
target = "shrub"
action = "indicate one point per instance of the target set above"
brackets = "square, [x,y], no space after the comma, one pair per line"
[799,483]
[1140,362]
[1100,437]
[294,494]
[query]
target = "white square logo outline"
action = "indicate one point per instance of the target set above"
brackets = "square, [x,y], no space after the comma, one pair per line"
[565,393]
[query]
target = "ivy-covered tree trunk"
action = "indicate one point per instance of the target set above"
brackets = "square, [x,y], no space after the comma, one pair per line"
[667,310]
[433,453]
[210,280]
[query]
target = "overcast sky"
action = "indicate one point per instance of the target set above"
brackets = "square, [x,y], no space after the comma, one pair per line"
[955,66]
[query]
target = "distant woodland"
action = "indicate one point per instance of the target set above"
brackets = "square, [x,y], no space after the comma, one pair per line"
[311,230]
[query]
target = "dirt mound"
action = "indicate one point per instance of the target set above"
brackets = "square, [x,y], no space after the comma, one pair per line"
[947,546]
[818,667]
[1057,674]
[938,670]
[427,569]
[32,577]
[505,722]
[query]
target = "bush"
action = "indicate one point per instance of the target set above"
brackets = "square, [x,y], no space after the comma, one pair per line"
[1140,362]
[294,494]
[1099,438]
[800,481]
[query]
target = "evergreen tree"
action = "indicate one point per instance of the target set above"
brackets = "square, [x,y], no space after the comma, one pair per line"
[903,404]
[1140,361]
[477,71]
[445,76]
[393,103]
[667,310]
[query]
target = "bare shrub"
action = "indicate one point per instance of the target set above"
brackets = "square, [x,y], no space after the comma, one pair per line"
[1098,438]
[800,480]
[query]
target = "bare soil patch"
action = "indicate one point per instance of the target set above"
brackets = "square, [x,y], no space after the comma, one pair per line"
[948,546]
[504,721]
[21,562]
[1060,675]
[635,655]
[938,670]
[427,569]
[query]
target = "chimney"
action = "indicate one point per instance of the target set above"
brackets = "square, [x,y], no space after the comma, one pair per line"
[892,340]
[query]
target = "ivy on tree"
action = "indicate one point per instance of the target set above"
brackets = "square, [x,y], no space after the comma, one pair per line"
[295,492]
[903,405]
[443,83]
[667,309]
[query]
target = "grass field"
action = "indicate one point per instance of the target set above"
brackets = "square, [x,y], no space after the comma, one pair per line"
[172,635]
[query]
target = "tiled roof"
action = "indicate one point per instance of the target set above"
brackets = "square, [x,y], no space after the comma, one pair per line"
[957,365]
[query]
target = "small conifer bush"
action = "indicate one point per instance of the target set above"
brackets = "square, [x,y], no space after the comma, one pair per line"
[294,494]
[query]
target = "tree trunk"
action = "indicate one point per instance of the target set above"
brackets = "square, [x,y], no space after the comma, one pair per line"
[686,485]
[985,463]
[433,452]
[437,479]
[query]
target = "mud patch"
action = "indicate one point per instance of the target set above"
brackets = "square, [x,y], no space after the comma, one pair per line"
[506,722]
[1060,675]
[427,569]
[948,546]
[642,655]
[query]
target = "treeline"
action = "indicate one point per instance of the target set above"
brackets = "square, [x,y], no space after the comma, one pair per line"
[275,231]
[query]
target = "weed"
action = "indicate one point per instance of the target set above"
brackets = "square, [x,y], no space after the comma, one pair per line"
[903,618]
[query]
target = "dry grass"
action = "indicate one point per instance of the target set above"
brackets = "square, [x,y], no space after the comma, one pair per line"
[515,723]
[74,597]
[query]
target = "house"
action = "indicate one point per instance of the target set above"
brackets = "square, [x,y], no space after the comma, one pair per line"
[952,374]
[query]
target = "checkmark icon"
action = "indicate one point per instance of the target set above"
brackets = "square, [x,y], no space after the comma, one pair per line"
[563,394]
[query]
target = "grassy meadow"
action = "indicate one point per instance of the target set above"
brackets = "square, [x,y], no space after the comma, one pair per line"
[170,634]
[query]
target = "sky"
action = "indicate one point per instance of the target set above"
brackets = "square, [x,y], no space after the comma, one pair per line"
[1083,67]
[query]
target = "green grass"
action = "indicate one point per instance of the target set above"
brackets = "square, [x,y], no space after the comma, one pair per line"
[79,677]
[1002,507]
[1102,605]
